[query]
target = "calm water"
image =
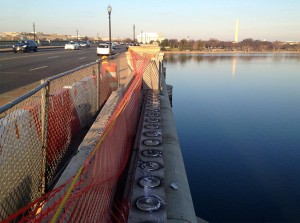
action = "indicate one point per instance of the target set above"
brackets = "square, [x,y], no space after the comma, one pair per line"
[238,120]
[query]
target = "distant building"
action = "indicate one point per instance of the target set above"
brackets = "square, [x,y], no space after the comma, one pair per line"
[41,36]
[148,37]
[291,42]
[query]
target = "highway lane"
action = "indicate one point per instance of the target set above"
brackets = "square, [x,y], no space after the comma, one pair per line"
[17,70]
[21,72]
[20,69]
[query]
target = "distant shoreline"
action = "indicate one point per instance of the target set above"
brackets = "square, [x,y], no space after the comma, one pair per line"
[230,52]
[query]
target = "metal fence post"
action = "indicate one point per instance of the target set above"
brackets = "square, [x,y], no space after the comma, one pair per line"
[98,83]
[44,120]
[118,70]
[159,77]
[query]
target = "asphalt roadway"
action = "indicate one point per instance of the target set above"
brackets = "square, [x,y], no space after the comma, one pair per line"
[20,72]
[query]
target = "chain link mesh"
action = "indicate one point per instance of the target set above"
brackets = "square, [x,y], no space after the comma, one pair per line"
[20,155]
[71,106]
[88,195]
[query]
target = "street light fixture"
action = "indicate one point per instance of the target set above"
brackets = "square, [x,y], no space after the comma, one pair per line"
[109,9]
[142,36]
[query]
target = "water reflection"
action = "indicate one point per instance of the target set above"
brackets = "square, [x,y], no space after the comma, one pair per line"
[239,138]
[213,58]
[233,67]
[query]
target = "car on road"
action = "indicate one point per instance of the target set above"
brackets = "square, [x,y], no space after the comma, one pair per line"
[72,46]
[113,45]
[103,49]
[25,46]
[85,44]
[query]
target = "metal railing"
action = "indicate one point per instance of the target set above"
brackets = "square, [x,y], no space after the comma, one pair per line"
[37,128]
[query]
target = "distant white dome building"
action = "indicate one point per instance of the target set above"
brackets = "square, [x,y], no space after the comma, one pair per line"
[148,37]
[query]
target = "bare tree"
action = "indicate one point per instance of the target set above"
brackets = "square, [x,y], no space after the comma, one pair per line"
[183,44]
[173,43]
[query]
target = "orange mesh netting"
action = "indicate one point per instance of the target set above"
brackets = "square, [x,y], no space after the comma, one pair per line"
[90,195]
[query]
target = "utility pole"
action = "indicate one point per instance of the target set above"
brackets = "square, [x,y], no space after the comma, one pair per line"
[33,31]
[133,33]
[77,34]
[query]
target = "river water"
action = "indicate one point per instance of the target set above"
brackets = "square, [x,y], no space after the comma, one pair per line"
[238,121]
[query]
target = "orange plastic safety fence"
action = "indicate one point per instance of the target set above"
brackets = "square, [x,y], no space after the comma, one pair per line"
[137,61]
[90,196]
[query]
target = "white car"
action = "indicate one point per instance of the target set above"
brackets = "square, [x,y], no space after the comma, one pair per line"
[103,49]
[72,46]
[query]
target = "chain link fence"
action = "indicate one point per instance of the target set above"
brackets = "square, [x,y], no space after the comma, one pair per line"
[36,129]
[90,194]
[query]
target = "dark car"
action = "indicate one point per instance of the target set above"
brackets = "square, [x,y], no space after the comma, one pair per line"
[25,46]
[85,44]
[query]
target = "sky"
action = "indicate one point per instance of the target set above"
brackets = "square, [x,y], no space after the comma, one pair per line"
[194,19]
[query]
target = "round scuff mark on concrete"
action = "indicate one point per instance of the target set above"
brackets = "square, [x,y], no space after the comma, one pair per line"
[152,120]
[152,114]
[152,133]
[152,126]
[152,153]
[151,142]
[150,166]
[149,182]
[148,203]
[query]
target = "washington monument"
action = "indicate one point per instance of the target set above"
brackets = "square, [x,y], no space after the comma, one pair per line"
[236,36]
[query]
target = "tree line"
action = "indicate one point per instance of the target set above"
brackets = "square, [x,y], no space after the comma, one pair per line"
[247,45]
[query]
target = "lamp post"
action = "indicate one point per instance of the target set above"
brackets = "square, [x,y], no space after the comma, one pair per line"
[133,33]
[33,31]
[109,9]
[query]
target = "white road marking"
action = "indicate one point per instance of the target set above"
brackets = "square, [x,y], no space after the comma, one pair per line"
[82,53]
[52,57]
[81,58]
[34,55]
[37,68]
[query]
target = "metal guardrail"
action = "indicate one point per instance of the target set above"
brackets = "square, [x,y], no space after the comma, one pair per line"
[9,105]
[46,83]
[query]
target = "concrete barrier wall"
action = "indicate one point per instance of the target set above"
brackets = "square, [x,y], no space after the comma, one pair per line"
[92,137]
[84,97]
[19,129]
